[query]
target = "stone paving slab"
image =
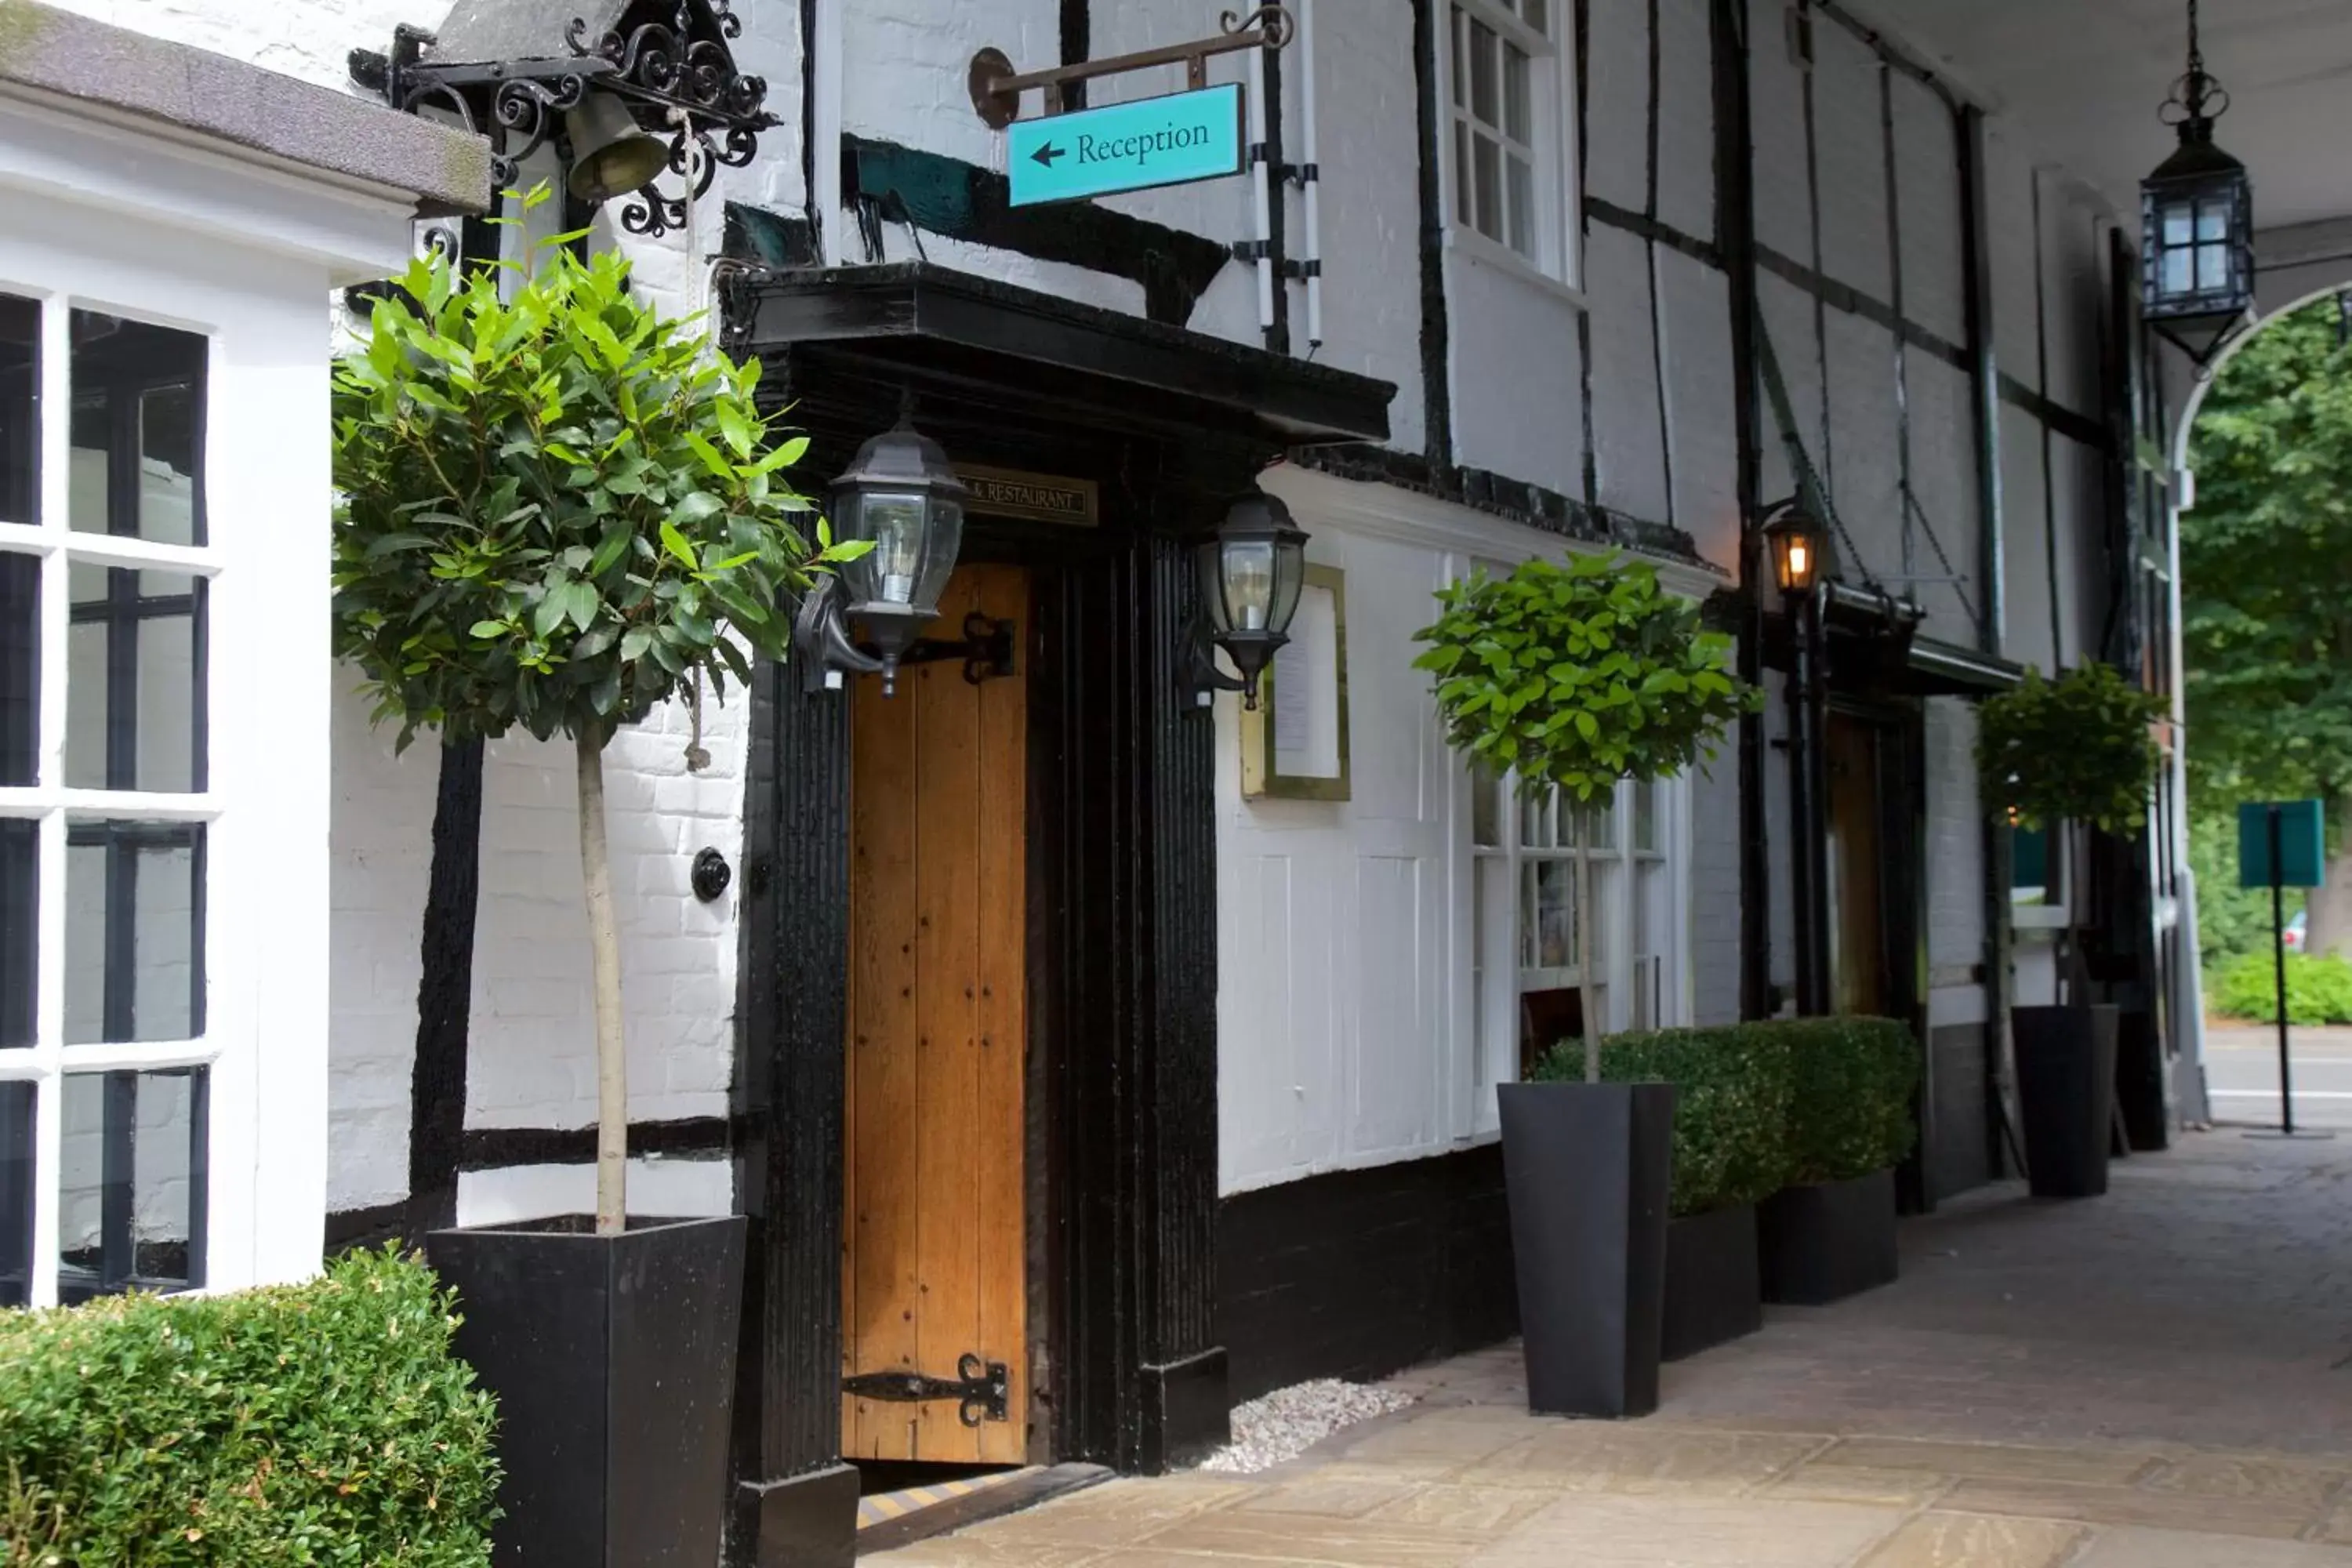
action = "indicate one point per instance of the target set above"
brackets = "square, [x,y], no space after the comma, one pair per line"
[2158,1379]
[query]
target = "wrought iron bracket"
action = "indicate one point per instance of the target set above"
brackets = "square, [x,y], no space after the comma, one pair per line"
[996,87]
[986,649]
[673,73]
[982,1390]
[1201,680]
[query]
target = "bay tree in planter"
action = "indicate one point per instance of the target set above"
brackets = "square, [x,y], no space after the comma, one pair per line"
[2077,749]
[559,508]
[1571,676]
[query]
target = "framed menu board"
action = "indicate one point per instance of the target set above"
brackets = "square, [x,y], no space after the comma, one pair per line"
[1295,747]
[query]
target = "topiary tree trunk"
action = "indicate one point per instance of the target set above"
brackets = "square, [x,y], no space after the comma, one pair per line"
[604,980]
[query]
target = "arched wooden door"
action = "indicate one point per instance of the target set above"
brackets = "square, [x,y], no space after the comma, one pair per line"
[934,1287]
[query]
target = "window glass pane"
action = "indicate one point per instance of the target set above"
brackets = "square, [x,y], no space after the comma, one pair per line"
[1485,807]
[1520,180]
[134,931]
[131,1181]
[1461,52]
[1595,824]
[1462,213]
[1537,820]
[20,860]
[134,680]
[138,429]
[2179,224]
[20,669]
[1537,15]
[1483,95]
[16,1193]
[1518,117]
[1645,816]
[1550,936]
[20,438]
[1486,170]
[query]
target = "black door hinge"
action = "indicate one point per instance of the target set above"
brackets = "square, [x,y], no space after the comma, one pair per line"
[981,1390]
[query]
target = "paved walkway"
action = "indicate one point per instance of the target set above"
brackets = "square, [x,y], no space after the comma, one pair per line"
[2158,1379]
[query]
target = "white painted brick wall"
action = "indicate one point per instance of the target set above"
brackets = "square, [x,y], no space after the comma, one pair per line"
[1715,943]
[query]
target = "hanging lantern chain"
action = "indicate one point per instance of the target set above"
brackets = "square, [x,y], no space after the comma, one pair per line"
[2195,98]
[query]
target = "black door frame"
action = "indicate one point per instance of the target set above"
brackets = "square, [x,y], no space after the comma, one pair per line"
[1170,425]
[1122,960]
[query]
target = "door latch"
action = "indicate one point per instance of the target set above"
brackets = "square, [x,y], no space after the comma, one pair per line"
[981,1390]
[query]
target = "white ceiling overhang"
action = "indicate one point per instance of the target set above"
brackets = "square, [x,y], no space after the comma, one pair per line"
[2084,79]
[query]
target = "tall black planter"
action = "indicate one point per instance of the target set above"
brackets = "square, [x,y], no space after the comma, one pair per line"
[612,1358]
[2065,1091]
[1586,1168]
[1714,1288]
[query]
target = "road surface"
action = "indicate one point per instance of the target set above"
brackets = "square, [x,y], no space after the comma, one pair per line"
[2241,1075]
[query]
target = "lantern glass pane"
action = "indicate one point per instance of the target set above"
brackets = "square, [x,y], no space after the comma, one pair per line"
[2213,218]
[894,522]
[2180,222]
[1247,570]
[2179,271]
[1289,580]
[2212,267]
[1209,564]
[946,540]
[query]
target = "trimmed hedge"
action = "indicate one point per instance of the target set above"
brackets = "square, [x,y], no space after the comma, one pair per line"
[1732,1091]
[1758,1107]
[1854,1082]
[2318,989]
[318,1423]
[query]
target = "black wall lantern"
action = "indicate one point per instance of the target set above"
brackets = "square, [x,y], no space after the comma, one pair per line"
[627,90]
[902,494]
[2197,224]
[1798,542]
[1250,574]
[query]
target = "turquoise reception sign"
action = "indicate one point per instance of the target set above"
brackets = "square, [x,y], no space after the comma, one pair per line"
[1169,141]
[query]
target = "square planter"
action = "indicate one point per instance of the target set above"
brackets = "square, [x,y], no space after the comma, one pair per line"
[1714,1288]
[1822,1244]
[2066,1096]
[612,1358]
[1586,1168]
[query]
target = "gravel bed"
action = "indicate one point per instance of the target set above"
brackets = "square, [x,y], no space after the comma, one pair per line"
[1285,1424]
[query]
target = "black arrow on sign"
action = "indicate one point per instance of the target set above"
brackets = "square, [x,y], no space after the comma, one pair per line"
[1047,153]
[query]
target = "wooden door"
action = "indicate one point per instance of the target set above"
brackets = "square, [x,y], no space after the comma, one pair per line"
[1858,944]
[933,1276]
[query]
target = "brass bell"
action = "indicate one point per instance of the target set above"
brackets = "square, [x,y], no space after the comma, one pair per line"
[611,153]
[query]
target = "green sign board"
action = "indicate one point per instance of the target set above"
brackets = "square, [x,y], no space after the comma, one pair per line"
[1170,141]
[2302,835]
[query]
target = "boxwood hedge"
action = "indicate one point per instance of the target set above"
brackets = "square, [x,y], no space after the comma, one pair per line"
[1762,1106]
[320,1424]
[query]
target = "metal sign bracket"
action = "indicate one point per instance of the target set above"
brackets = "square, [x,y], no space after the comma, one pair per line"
[996,87]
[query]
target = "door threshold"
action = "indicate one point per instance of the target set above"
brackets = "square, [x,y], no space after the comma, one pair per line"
[888,1520]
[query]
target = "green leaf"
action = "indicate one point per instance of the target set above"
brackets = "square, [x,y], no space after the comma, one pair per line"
[675,543]
[489,629]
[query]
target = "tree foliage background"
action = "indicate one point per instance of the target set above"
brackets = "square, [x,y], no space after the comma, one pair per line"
[2266,599]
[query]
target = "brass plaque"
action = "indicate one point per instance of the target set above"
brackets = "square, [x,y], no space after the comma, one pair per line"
[1038,498]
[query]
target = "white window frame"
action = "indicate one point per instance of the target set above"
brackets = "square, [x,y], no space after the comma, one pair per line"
[1558,198]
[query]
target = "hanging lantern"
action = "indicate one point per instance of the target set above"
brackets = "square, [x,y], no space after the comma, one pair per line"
[1250,576]
[2197,223]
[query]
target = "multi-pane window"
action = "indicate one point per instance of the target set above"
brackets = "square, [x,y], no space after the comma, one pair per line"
[1507,89]
[1528,941]
[105,577]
